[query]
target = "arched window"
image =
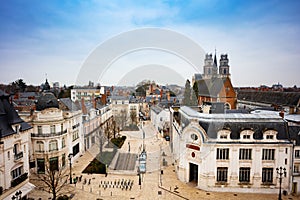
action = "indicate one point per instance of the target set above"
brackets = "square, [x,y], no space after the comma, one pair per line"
[53,145]
[227,106]
[39,146]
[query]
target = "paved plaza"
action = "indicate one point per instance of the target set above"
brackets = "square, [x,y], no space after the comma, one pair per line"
[160,181]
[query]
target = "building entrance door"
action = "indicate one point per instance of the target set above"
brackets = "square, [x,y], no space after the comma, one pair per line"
[193,173]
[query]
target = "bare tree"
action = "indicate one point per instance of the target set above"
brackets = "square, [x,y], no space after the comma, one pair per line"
[133,116]
[122,118]
[54,179]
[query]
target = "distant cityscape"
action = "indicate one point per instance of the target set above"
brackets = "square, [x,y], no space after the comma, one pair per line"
[219,137]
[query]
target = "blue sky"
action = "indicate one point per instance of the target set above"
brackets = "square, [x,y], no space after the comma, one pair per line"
[55,37]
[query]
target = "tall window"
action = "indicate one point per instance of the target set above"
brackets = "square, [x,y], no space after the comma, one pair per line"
[40,146]
[267,175]
[53,145]
[17,172]
[40,130]
[61,127]
[222,154]
[52,129]
[222,174]
[297,168]
[63,160]
[63,142]
[297,153]
[268,154]
[53,163]
[244,174]
[75,135]
[245,154]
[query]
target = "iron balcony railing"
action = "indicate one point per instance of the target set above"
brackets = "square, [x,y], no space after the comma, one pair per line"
[19,155]
[48,134]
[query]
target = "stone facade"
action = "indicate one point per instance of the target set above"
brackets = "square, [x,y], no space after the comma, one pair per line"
[231,152]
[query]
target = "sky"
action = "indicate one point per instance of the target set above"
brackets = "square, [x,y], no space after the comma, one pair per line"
[54,39]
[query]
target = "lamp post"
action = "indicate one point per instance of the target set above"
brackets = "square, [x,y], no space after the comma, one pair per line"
[70,157]
[281,172]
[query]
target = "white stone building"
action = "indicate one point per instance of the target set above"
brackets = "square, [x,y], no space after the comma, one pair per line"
[14,152]
[94,124]
[56,134]
[160,118]
[123,108]
[231,152]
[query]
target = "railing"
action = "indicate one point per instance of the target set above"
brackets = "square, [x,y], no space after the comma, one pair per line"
[19,180]
[19,155]
[48,134]
[76,125]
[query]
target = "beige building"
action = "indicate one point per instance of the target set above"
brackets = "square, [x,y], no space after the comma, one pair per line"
[14,152]
[56,134]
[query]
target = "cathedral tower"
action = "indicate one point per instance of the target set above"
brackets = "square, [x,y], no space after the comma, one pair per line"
[224,67]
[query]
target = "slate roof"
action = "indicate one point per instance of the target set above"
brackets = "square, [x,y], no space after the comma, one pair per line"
[236,122]
[9,117]
[46,100]
[270,97]
[69,104]
[294,132]
[156,109]
[210,87]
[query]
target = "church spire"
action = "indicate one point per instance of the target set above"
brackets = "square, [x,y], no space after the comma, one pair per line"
[215,59]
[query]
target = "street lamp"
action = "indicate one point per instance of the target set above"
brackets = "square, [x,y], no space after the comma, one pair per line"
[70,157]
[281,172]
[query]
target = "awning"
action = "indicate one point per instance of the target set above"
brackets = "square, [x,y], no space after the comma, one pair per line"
[25,189]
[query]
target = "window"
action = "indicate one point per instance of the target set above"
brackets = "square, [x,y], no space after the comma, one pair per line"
[62,128]
[194,137]
[63,160]
[245,154]
[17,172]
[222,154]
[40,165]
[244,175]
[53,145]
[246,136]
[40,130]
[63,142]
[52,129]
[297,153]
[40,146]
[268,154]
[222,174]
[53,163]
[75,135]
[286,150]
[297,168]
[269,137]
[8,155]
[223,136]
[267,175]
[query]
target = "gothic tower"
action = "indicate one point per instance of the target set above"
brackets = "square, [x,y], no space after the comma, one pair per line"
[210,69]
[224,67]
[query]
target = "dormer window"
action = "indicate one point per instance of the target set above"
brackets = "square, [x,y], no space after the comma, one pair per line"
[269,137]
[247,134]
[223,134]
[270,134]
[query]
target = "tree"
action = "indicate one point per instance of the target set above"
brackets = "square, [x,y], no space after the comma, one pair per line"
[54,179]
[194,95]
[133,116]
[187,94]
[194,99]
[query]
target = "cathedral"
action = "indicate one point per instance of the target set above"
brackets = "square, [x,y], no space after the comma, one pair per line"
[214,85]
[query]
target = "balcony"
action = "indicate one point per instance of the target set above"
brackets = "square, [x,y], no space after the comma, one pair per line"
[48,134]
[19,180]
[18,156]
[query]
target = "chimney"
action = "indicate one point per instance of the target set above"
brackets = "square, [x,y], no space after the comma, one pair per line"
[83,108]
[93,101]
[281,114]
